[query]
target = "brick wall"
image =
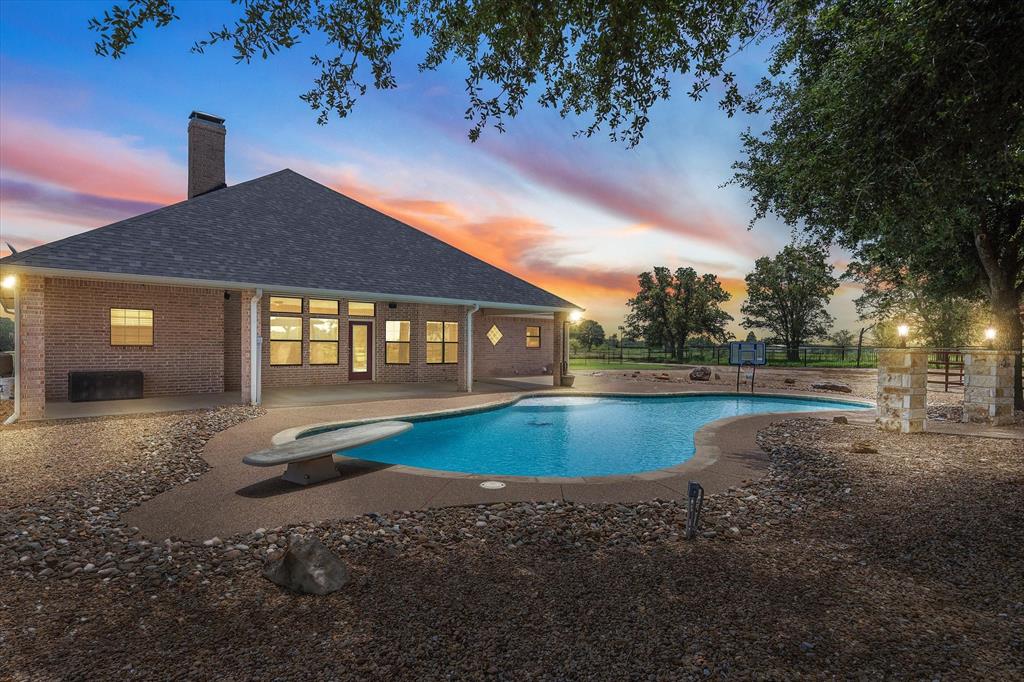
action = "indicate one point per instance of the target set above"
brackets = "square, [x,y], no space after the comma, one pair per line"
[31,347]
[245,343]
[187,355]
[510,357]
[233,342]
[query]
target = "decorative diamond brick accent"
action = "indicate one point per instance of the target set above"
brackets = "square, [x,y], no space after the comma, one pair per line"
[494,335]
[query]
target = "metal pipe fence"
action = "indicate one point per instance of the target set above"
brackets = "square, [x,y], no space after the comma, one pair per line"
[808,356]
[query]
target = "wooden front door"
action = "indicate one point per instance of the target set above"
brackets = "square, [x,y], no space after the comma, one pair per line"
[360,351]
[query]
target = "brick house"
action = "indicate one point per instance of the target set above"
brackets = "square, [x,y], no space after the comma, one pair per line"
[276,282]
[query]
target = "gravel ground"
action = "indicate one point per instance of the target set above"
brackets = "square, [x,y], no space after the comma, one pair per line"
[904,563]
[40,458]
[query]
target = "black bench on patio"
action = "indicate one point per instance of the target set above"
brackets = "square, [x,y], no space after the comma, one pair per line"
[104,385]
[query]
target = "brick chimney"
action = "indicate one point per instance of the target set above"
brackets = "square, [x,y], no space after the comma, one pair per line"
[205,153]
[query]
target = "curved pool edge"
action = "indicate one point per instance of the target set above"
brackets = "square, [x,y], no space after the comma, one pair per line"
[706,451]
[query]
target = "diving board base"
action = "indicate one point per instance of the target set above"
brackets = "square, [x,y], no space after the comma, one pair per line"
[311,471]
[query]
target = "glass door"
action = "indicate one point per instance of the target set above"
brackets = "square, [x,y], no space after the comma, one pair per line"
[360,344]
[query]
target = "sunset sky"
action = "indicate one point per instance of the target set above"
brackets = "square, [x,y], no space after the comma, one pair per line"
[86,141]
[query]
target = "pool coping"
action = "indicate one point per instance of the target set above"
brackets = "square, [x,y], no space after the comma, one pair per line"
[705,452]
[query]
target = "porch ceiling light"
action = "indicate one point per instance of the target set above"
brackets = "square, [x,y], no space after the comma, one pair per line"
[8,282]
[575,316]
[494,335]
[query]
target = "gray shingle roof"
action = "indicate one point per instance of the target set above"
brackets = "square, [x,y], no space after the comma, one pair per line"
[286,230]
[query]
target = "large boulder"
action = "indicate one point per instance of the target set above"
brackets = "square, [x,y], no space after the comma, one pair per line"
[700,374]
[307,566]
[828,385]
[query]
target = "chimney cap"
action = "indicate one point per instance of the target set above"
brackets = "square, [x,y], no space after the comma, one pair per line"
[206,117]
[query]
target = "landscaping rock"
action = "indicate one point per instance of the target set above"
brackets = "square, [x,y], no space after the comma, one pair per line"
[829,385]
[700,374]
[862,448]
[789,381]
[308,567]
[840,419]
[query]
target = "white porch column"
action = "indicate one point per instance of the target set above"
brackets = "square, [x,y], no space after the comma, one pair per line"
[466,352]
[251,353]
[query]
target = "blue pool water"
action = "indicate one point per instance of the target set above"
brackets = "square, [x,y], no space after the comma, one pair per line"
[573,436]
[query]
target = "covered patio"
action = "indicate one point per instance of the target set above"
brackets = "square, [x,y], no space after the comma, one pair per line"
[286,397]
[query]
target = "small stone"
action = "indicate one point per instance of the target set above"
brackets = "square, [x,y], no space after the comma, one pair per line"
[840,419]
[829,385]
[213,542]
[863,448]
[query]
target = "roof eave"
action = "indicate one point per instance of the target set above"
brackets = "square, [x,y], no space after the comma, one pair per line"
[17,268]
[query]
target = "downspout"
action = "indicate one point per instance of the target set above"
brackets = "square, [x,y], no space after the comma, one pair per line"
[469,349]
[17,358]
[255,350]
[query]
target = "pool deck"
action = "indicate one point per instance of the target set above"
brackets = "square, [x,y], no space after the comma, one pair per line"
[235,498]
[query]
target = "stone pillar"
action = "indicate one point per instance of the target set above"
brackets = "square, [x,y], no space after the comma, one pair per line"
[465,381]
[245,329]
[988,386]
[902,389]
[559,357]
[31,370]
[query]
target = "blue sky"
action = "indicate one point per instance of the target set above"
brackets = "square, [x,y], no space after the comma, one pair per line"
[85,141]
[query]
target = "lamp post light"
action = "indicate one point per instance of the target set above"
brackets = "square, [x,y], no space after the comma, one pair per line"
[990,337]
[903,331]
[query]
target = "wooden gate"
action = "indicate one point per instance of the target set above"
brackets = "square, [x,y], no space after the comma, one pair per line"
[946,368]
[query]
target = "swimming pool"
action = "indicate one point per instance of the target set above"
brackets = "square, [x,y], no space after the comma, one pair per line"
[564,436]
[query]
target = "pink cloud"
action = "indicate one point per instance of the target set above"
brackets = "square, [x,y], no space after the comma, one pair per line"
[89,162]
[632,197]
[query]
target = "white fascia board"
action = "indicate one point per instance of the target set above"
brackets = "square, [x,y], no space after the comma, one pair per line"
[275,288]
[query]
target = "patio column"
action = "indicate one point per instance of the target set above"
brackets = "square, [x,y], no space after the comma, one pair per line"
[31,350]
[559,345]
[250,355]
[988,386]
[902,389]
